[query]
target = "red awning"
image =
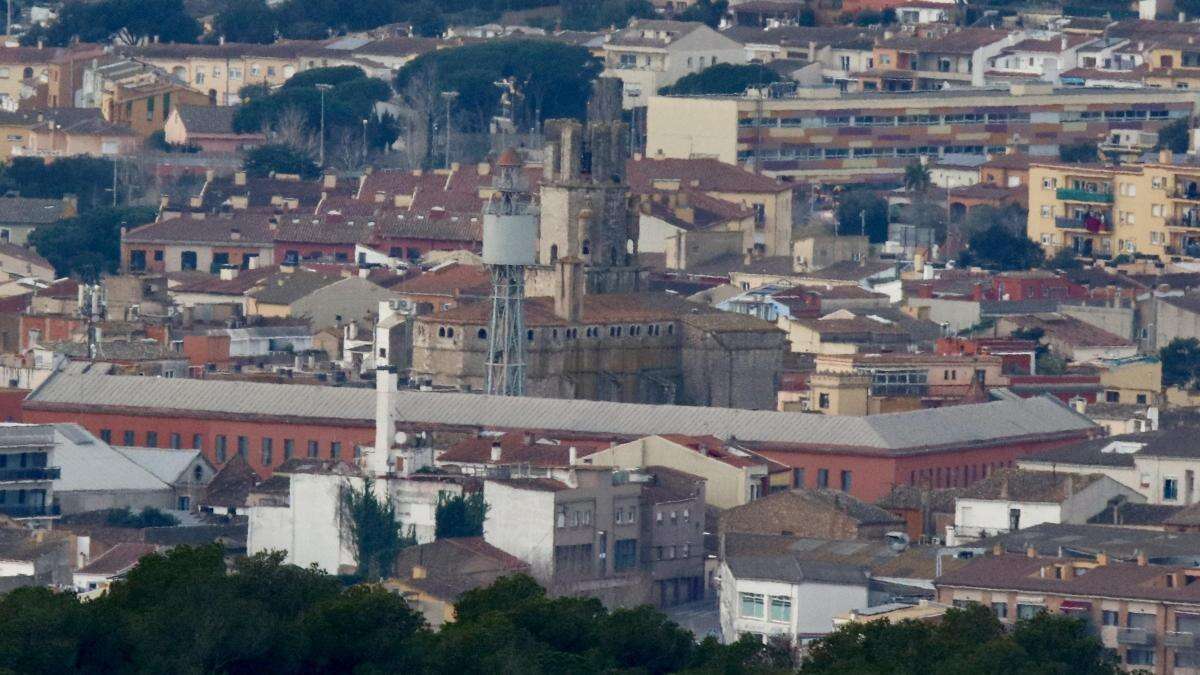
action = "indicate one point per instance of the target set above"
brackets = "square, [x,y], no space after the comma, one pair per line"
[1075,605]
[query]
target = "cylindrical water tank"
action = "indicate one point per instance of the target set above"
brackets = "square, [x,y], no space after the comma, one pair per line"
[509,239]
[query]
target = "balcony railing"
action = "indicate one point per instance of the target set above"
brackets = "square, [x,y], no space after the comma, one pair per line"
[1190,193]
[1064,223]
[1184,221]
[1179,640]
[29,510]
[39,473]
[1073,195]
[1135,636]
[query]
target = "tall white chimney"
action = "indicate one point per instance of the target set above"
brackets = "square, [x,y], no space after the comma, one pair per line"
[385,423]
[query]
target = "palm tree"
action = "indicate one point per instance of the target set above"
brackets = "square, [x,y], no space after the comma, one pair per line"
[916,177]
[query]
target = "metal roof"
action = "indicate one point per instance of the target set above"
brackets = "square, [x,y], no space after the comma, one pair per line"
[956,425]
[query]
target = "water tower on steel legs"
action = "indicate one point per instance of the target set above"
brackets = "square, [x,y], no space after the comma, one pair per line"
[509,246]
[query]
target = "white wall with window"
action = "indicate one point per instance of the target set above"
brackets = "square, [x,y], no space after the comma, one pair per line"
[792,606]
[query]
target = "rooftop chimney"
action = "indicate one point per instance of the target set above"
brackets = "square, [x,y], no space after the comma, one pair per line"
[385,424]
[572,456]
[239,178]
[1031,552]
[228,272]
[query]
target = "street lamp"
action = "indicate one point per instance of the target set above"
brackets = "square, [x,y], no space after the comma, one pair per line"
[323,88]
[448,97]
[365,141]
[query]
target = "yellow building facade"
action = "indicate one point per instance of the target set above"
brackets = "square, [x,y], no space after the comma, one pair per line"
[1104,211]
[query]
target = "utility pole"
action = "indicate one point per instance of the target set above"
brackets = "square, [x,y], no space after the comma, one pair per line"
[448,97]
[323,88]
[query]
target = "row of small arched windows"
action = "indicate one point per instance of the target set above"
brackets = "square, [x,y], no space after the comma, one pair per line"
[634,330]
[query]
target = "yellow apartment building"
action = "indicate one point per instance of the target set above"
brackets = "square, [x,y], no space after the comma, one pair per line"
[1104,211]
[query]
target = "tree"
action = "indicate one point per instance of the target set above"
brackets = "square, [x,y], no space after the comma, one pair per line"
[553,79]
[149,517]
[967,640]
[1180,362]
[723,78]
[273,158]
[602,14]
[89,244]
[369,522]
[460,516]
[88,178]
[709,12]
[1064,260]
[917,177]
[997,248]
[857,207]
[1175,136]
[247,21]
[124,21]
[1079,153]
[1010,216]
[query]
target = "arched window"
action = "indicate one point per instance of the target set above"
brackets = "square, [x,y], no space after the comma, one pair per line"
[441,331]
[587,247]
[553,253]
[449,332]
[27,73]
[482,333]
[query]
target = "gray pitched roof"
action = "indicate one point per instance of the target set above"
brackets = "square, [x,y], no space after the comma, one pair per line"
[89,464]
[208,119]
[906,432]
[792,569]
[1121,450]
[165,464]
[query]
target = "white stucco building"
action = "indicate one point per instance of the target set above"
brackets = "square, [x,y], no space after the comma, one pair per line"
[768,596]
[651,54]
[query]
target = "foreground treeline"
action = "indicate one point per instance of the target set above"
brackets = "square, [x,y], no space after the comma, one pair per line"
[185,612]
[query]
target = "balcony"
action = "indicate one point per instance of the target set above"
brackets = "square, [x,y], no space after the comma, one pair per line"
[1073,195]
[30,474]
[29,510]
[1179,640]
[1064,223]
[1187,191]
[1184,221]
[1137,637]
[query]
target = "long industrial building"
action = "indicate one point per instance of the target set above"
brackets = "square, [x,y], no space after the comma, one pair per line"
[822,133]
[868,455]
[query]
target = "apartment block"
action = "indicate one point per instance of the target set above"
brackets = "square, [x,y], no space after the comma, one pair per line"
[822,133]
[1104,211]
[1149,614]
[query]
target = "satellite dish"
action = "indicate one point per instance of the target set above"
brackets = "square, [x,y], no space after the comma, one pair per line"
[401,438]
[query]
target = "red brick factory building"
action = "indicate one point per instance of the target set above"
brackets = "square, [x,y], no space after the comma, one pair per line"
[865,456]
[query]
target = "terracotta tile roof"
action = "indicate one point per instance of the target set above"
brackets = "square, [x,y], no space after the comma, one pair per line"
[515,450]
[635,34]
[231,485]
[118,559]
[201,282]
[455,566]
[1115,580]
[1029,486]
[239,229]
[436,224]
[708,175]
[452,280]
[1068,329]
[963,41]
[286,288]
[24,254]
[328,229]
[788,512]
[259,192]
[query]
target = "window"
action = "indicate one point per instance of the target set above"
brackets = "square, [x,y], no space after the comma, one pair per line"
[1028,611]
[847,478]
[289,448]
[335,449]
[798,478]
[822,478]
[1170,489]
[1112,397]
[220,448]
[197,442]
[823,400]
[150,109]
[268,447]
[1110,617]
[243,446]
[1139,657]
[106,435]
[753,606]
[624,554]
[128,438]
[176,441]
[1000,609]
[781,608]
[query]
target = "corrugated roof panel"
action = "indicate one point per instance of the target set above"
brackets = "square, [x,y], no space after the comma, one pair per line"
[895,431]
